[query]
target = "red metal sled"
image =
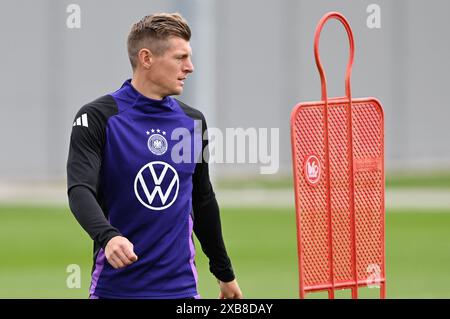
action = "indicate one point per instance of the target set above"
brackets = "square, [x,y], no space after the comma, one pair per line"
[338,162]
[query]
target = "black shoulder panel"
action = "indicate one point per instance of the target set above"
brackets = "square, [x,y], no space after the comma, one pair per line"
[87,141]
[190,111]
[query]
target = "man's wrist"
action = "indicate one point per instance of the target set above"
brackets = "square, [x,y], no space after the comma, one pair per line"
[109,235]
[225,276]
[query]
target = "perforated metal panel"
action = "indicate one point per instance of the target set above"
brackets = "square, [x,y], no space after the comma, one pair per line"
[321,213]
[338,161]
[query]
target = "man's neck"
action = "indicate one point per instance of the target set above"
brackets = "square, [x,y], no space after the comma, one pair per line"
[144,87]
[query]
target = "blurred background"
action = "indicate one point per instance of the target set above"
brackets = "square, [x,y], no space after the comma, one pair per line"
[254,61]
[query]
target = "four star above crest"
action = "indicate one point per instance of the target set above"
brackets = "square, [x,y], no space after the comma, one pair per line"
[157,130]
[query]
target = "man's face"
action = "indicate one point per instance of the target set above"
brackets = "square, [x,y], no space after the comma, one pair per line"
[169,70]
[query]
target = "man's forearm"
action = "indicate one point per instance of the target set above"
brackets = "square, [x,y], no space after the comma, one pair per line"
[207,227]
[89,214]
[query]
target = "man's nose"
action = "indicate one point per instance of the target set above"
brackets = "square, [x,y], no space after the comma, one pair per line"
[189,66]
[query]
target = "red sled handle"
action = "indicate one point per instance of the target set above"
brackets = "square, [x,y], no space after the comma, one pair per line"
[343,20]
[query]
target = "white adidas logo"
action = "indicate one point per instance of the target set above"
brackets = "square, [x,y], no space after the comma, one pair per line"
[81,121]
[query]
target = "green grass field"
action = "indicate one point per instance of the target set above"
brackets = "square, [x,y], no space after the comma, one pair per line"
[430,180]
[38,243]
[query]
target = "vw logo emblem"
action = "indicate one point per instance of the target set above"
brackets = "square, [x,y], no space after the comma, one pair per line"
[156,185]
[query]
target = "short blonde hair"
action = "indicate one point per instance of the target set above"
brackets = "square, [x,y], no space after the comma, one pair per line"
[153,31]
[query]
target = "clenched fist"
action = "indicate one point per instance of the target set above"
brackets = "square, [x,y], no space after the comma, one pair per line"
[119,252]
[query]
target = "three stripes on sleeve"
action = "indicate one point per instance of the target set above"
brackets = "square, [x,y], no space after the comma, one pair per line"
[81,120]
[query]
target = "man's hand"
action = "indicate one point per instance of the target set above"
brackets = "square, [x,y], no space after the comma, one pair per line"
[119,252]
[230,290]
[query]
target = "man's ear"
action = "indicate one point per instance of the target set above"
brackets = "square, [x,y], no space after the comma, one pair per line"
[145,57]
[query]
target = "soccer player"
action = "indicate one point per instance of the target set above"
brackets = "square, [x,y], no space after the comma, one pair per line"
[135,182]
